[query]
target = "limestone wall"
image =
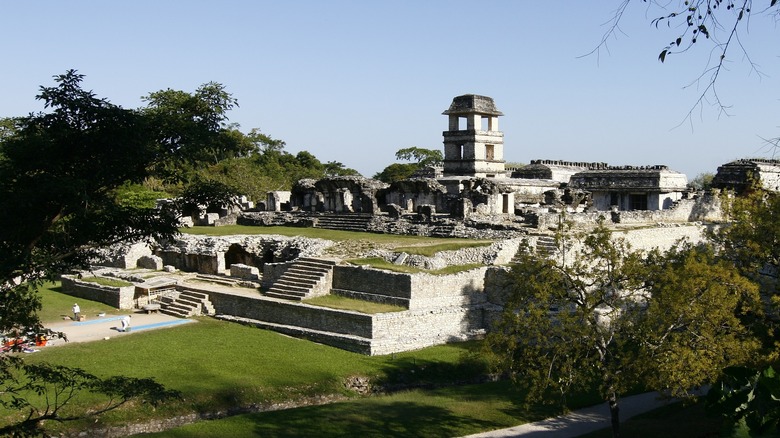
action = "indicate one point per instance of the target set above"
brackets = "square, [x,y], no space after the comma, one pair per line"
[664,237]
[373,281]
[461,289]
[292,314]
[119,297]
[411,330]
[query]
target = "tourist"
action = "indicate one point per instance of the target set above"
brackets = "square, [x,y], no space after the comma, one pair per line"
[76,312]
[125,323]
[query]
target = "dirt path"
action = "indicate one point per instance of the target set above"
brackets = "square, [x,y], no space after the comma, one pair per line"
[105,327]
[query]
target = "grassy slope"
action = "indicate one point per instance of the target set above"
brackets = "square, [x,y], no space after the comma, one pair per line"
[219,365]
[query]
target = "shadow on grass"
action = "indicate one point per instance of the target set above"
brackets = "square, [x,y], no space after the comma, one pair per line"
[396,419]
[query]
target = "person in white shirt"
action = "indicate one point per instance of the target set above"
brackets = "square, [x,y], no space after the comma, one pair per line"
[125,323]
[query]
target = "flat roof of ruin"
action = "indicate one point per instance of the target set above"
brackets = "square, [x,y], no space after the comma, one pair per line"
[473,104]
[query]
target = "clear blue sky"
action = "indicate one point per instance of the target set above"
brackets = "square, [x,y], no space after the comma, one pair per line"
[354,81]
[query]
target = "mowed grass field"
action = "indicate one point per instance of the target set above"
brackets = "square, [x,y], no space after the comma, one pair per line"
[225,367]
[221,366]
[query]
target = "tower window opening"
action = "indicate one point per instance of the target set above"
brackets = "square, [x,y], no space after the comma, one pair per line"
[489,151]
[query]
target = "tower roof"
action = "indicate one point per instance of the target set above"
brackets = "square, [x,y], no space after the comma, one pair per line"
[473,104]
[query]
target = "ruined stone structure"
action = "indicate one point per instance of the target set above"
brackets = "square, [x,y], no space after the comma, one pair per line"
[741,174]
[632,188]
[340,194]
[473,145]
[560,171]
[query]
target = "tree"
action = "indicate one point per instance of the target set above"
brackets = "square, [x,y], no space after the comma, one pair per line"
[396,172]
[719,23]
[603,316]
[192,129]
[60,175]
[423,157]
[702,181]
[400,171]
[336,168]
[751,239]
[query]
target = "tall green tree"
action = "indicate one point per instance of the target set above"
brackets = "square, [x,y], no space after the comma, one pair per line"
[399,171]
[60,172]
[601,315]
[193,129]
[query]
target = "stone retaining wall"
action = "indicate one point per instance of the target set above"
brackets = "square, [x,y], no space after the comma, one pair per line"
[415,329]
[292,313]
[373,281]
[119,297]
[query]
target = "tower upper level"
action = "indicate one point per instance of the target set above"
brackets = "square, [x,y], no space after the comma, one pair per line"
[473,145]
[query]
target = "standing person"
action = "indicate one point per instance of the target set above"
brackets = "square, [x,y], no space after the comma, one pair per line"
[76,312]
[125,323]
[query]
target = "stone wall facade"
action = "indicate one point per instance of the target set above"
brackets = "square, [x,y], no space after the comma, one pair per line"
[119,297]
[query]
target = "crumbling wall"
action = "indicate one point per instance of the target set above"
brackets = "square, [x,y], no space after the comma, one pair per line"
[207,254]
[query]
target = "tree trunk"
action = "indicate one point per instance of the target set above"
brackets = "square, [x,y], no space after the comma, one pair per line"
[614,412]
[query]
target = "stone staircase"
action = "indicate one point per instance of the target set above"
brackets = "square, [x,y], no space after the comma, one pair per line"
[188,303]
[444,230]
[304,278]
[546,246]
[344,222]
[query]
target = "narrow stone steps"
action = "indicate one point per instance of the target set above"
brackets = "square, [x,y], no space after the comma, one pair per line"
[189,303]
[343,222]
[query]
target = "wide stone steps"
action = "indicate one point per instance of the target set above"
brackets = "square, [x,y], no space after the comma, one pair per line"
[443,231]
[301,278]
[187,304]
[344,222]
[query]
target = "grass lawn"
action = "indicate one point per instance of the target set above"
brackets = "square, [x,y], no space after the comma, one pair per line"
[380,263]
[409,242]
[345,303]
[444,412]
[219,365]
[57,306]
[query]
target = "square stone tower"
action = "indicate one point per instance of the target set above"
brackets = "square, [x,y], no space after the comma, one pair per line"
[473,145]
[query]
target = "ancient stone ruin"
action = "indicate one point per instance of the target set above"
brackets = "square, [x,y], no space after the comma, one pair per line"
[265,281]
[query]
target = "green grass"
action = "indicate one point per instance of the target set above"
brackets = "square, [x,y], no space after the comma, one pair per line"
[453,411]
[380,263]
[345,303]
[335,235]
[431,250]
[110,282]
[57,306]
[219,365]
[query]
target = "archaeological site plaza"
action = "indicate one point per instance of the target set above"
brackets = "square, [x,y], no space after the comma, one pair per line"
[265,280]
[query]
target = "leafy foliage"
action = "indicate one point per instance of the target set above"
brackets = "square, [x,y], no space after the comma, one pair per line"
[59,174]
[748,398]
[192,129]
[57,387]
[423,157]
[603,315]
[401,171]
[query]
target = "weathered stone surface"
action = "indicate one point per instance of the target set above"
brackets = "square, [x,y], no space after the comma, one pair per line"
[244,272]
[122,255]
[740,174]
[150,262]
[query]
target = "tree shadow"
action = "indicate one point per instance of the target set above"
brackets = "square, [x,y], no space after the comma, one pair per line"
[366,419]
